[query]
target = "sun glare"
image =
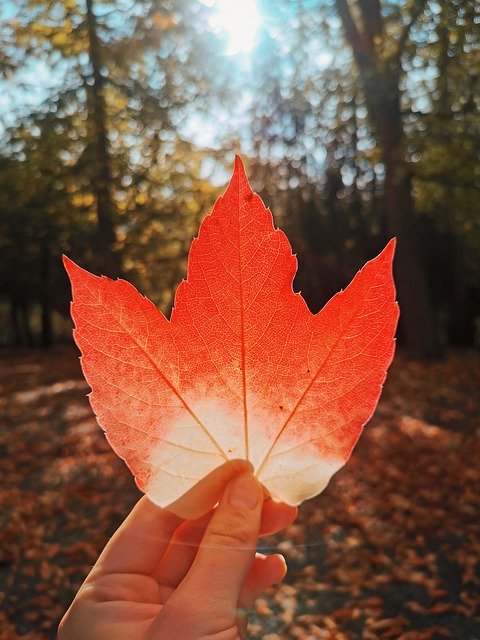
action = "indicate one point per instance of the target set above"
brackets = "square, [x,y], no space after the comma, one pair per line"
[239,19]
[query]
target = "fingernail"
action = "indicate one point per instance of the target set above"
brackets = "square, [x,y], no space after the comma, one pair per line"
[244,491]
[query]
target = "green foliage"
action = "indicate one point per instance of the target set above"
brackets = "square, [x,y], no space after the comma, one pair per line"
[151,74]
[316,153]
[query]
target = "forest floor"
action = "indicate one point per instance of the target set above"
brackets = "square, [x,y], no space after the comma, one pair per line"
[390,550]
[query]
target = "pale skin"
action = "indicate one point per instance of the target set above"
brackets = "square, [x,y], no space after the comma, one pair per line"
[164,578]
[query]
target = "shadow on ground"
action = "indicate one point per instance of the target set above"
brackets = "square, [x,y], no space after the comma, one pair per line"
[390,550]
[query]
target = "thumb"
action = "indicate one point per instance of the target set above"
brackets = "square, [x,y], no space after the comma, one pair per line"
[227,550]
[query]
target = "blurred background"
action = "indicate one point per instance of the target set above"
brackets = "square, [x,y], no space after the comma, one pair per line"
[358,120]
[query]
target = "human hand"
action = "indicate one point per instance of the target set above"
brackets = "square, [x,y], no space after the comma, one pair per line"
[164,578]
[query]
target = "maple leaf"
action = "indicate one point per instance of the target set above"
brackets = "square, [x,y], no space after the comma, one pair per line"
[243,369]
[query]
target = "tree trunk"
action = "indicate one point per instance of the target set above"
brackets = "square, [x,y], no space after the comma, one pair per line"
[418,321]
[381,79]
[109,259]
[459,326]
[14,323]
[25,325]
[417,316]
[46,295]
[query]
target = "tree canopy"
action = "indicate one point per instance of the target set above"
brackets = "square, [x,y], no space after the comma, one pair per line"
[359,120]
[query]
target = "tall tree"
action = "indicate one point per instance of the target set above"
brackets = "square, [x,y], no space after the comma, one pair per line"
[314,146]
[444,133]
[102,176]
[113,177]
[134,70]
[378,56]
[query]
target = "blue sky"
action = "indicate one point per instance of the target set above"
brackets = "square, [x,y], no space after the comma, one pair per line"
[33,82]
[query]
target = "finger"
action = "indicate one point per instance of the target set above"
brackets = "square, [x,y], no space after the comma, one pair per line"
[147,531]
[207,492]
[181,553]
[276,516]
[264,572]
[179,556]
[140,542]
[227,550]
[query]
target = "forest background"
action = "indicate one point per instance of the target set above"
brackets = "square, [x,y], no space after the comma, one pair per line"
[358,120]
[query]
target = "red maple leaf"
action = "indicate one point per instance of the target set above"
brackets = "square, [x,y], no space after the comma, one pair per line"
[242,369]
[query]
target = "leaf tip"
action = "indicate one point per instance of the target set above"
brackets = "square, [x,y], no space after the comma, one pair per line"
[238,166]
[389,250]
[72,268]
[384,260]
[238,187]
[67,263]
[239,175]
